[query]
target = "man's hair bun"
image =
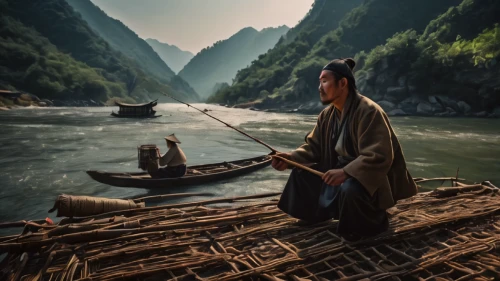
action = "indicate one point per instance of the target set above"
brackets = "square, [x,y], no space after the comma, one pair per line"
[350,62]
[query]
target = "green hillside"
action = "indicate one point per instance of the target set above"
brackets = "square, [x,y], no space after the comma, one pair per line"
[38,28]
[30,62]
[220,62]
[293,75]
[121,38]
[449,69]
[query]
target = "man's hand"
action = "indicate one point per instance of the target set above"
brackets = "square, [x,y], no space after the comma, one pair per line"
[335,177]
[281,165]
[158,154]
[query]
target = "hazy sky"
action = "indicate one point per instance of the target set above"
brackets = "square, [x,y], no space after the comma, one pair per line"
[195,24]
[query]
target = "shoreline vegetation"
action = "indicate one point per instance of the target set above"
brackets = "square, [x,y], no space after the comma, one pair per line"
[419,58]
[15,99]
[434,106]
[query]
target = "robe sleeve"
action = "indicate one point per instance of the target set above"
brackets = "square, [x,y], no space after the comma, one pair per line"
[309,152]
[167,157]
[375,158]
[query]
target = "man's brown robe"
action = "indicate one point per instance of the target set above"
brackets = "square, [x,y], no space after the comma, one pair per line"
[379,163]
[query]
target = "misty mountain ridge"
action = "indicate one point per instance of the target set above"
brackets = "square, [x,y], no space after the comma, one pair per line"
[172,55]
[122,39]
[220,62]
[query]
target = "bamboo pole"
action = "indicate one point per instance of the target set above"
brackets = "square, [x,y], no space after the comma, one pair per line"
[188,204]
[170,196]
[295,164]
[420,180]
[21,223]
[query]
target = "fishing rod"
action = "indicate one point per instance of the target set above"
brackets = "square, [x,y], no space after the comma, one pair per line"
[295,164]
[255,139]
[239,131]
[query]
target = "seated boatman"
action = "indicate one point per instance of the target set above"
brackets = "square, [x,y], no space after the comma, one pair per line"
[174,160]
[355,145]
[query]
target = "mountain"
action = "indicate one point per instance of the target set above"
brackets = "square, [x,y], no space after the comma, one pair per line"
[220,62]
[323,16]
[30,62]
[171,54]
[121,38]
[273,68]
[289,72]
[449,69]
[60,55]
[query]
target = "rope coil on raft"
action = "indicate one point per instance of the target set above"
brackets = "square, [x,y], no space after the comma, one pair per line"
[78,206]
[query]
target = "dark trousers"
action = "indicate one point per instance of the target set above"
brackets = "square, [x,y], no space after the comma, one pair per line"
[169,172]
[308,198]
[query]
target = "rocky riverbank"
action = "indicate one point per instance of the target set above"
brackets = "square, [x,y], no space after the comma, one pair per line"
[11,99]
[438,106]
[446,91]
[443,91]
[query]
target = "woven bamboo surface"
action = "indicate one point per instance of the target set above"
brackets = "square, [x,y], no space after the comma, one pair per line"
[448,234]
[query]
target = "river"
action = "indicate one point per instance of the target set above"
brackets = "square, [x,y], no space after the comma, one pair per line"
[46,151]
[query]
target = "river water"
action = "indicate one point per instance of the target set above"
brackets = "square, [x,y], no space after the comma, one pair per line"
[45,152]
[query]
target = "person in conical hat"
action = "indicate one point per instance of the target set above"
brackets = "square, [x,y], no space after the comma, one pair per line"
[172,138]
[174,161]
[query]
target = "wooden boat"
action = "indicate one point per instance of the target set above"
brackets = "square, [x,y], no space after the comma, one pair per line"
[195,174]
[142,110]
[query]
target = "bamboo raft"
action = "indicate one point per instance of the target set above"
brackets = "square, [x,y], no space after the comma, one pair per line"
[451,233]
